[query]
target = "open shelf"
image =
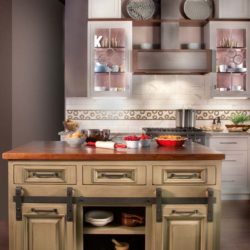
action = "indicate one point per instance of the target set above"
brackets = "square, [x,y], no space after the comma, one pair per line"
[172,61]
[112,229]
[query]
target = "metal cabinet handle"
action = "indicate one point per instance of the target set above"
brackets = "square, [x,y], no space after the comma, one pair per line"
[230,142]
[230,160]
[228,181]
[45,175]
[114,175]
[183,176]
[48,211]
[187,213]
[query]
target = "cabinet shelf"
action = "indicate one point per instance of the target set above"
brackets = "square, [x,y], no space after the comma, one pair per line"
[156,22]
[140,230]
[113,73]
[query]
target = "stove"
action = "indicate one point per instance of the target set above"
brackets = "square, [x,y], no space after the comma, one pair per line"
[194,134]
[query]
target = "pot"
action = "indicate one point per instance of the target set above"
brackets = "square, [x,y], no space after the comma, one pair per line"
[94,135]
[185,118]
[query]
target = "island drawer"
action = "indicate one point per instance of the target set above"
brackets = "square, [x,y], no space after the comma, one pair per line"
[114,174]
[195,175]
[228,143]
[44,174]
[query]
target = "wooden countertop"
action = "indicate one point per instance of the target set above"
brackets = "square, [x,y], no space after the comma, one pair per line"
[56,150]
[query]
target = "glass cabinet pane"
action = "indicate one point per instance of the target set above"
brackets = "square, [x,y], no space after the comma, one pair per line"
[109,58]
[231,60]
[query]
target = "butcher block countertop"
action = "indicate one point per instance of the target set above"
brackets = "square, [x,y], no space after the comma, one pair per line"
[56,150]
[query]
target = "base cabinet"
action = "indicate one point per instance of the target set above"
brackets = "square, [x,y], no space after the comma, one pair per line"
[183,227]
[44,226]
[172,203]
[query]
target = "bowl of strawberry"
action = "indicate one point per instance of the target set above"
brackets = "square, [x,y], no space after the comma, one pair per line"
[145,140]
[132,141]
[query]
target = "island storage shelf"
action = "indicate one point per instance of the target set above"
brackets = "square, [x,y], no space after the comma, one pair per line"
[52,187]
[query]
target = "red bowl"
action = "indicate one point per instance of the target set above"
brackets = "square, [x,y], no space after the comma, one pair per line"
[170,143]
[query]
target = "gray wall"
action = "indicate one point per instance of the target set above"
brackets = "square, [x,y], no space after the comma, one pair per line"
[38,92]
[76,17]
[32,94]
[5,98]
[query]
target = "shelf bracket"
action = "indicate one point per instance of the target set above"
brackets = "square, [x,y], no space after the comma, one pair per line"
[19,200]
[69,204]
[158,205]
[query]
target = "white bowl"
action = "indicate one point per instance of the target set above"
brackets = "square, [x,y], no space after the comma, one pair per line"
[145,143]
[132,144]
[194,46]
[146,46]
[99,218]
[74,142]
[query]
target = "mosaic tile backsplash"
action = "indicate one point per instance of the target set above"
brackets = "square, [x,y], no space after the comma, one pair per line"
[147,114]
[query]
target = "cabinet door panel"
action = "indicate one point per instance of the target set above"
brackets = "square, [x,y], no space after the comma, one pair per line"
[44,226]
[184,227]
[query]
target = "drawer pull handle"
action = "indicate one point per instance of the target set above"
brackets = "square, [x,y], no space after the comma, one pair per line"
[45,175]
[184,176]
[231,160]
[230,142]
[47,211]
[115,175]
[228,181]
[187,213]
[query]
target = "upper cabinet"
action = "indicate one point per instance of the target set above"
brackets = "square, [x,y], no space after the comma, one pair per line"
[230,43]
[104,9]
[232,9]
[109,58]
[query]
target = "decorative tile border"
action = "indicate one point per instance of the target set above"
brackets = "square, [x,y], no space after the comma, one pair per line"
[147,114]
[121,114]
[223,114]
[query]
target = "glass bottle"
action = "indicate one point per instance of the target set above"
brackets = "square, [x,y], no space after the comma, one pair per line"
[214,125]
[218,125]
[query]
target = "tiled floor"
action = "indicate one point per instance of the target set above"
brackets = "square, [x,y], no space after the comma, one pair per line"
[235,227]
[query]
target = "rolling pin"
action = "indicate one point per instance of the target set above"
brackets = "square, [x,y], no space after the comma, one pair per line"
[106,144]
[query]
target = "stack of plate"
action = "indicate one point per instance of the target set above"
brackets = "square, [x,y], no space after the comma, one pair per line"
[99,218]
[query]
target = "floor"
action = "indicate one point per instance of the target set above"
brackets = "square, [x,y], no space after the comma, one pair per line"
[235,227]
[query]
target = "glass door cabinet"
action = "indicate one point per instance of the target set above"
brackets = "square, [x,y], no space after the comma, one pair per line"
[109,58]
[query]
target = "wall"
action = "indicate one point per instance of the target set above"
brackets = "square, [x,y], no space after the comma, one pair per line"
[31,79]
[152,104]
[154,98]
[5,97]
[38,93]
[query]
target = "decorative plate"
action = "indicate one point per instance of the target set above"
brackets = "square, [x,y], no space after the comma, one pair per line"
[141,9]
[198,9]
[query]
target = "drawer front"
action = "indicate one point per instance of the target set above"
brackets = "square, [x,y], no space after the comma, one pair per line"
[228,143]
[166,175]
[44,174]
[114,174]
[234,184]
[235,163]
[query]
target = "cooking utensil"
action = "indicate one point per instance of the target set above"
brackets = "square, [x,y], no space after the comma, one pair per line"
[198,9]
[97,135]
[131,220]
[185,118]
[106,144]
[120,245]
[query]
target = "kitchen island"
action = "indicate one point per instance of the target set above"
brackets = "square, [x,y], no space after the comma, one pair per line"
[52,186]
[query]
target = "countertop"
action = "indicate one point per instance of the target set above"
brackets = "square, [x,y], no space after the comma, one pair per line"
[56,150]
[226,133]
